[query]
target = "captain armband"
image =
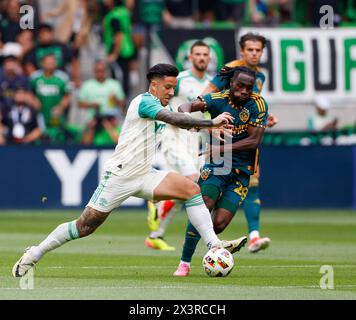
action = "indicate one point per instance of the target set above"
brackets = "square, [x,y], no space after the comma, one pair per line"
[201,98]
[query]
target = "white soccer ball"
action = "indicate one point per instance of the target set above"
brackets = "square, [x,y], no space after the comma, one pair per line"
[218,262]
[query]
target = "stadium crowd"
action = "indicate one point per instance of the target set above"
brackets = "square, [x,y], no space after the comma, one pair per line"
[41,72]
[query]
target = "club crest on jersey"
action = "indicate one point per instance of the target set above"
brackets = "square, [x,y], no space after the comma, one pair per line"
[259,85]
[244,115]
[205,174]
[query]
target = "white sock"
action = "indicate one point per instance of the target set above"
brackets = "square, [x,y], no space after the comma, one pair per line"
[254,234]
[200,218]
[59,236]
[183,262]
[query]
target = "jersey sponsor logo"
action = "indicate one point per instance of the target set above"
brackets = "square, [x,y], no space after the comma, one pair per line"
[240,129]
[244,115]
[47,89]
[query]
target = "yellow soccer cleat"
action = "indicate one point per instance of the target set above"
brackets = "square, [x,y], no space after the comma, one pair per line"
[158,244]
[152,217]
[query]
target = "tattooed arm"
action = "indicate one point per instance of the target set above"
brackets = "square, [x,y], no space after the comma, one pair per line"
[187,122]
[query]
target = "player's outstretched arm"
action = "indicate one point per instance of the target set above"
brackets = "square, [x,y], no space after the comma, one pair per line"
[198,104]
[185,121]
[255,135]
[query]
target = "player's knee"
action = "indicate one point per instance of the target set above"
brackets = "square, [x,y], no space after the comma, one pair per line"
[191,189]
[210,203]
[219,226]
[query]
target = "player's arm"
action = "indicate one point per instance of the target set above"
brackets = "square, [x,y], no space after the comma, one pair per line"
[255,135]
[186,121]
[198,104]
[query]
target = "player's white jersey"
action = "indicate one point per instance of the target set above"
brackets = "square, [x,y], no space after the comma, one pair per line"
[139,138]
[180,147]
[188,88]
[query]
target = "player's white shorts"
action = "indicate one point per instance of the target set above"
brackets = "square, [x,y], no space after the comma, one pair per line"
[113,190]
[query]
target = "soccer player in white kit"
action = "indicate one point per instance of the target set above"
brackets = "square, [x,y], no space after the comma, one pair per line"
[179,147]
[128,172]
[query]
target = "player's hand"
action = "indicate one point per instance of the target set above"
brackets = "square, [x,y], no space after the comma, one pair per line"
[223,120]
[271,121]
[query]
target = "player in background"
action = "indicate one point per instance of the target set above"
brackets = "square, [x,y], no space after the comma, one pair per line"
[180,147]
[251,50]
[128,172]
[224,185]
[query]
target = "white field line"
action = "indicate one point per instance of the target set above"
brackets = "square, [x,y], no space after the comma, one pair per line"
[169,267]
[173,266]
[182,287]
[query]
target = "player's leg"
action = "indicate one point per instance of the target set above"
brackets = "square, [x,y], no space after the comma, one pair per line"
[164,211]
[179,157]
[211,187]
[252,208]
[191,240]
[110,193]
[175,186]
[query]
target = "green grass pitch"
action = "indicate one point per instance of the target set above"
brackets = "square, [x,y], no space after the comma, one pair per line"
[114,263]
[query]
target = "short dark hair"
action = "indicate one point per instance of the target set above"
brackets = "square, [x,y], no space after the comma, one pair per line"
[45,26]
[162,70]
[49,54]
[198,43]
[252,37]
[245,70]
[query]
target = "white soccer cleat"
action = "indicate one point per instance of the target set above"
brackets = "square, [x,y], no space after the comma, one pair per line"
[232,245]
[25,263]
[257,244]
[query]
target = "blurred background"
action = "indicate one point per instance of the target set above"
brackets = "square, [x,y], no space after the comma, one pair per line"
[63,96]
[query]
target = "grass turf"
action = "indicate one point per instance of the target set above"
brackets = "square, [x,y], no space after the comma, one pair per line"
[114,263]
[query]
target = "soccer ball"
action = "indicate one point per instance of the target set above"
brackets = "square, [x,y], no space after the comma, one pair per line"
[218,262]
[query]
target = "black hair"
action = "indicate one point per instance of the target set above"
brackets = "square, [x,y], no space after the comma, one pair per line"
[198,43]
[162,70]
[45,26]
[49,54]
[252,37]
[245,70]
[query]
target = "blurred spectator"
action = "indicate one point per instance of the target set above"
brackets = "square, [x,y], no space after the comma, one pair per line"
[206,9]
[269,12]
[178,14]
[102,131]
[74,27]
[101,96]
[347,10]
[10,22]
[118,41]
[321,120]
[231,10]
[26,41]
[21,121]
[52,87]
[12,78]
[47,45]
